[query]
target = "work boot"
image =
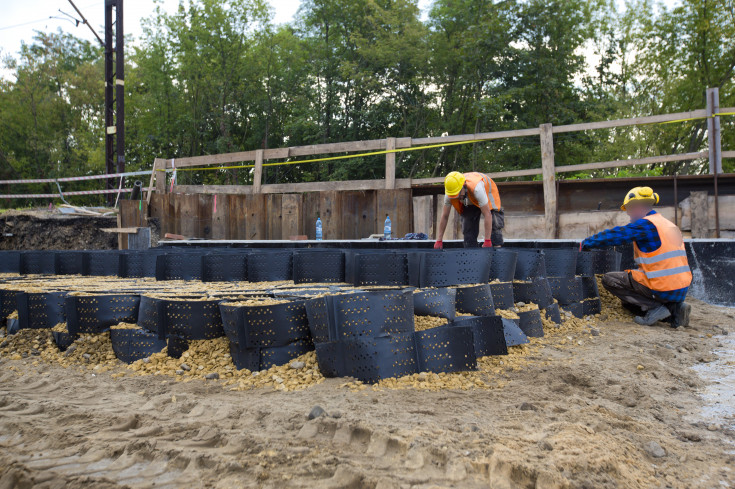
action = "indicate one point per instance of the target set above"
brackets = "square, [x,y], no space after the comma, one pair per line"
[653,316]
[680,314]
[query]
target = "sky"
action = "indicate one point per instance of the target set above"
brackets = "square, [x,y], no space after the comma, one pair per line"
[19,19]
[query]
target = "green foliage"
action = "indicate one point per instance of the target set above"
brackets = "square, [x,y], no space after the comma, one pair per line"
[218,76]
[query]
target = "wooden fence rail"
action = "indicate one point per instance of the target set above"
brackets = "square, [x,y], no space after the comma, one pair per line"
[547,169]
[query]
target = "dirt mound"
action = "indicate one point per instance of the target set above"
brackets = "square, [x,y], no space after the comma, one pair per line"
[39,230]
[605,407]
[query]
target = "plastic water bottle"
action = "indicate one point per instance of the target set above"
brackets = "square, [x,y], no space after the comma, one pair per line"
[318,229]
[386,228]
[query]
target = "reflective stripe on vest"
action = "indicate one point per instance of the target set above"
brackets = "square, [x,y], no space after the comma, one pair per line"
[666,268]
[658,258]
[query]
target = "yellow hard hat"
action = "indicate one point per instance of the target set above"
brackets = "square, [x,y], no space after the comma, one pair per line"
[453,184]
[640,194]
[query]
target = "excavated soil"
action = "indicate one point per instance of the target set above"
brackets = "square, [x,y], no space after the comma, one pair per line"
[598,404]
[43,230]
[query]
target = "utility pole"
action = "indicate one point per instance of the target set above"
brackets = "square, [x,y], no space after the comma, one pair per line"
[114,92]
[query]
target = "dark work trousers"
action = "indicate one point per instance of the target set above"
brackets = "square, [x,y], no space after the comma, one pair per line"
[635,296]
[471,227]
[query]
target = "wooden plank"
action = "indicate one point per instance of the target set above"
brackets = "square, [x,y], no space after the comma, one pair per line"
[122,239]
[398,205]
[484,136]
[330,211]
[639,161]
[140,240]
[309,212]
[204,228]
[579,225]
[161,177]
[220,217]
[258,172]
[728,154]
[547,165]
[237,217]
[255,224]
[156,165]
[291,215]
[187,215]
[390,164]
[120,230]
[423,215]
[502,174]
[274,216]
[699,214]
[358,214]
[634,121]
[218,159]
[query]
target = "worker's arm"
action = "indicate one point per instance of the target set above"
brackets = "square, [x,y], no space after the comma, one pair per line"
[485,209]
[442,226]
[635,231]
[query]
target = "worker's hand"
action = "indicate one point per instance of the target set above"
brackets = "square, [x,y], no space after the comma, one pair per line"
[438,245]
[487,244]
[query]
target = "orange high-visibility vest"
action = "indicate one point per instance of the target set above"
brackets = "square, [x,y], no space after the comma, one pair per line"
[472,180]
[666,268]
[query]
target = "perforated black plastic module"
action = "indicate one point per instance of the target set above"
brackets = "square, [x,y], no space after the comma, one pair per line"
[8,303]
[514,335]
[270,266]
[372,359]
[318,266]
[566,290]
[589,287]
[585,264]
[102,263]
[446,349]
[576,308]
[63,340]
[502,295]
[69,262]
[503,265]
[449,267]
[372,267]
[37,262]
[475,299]
[487,332]
[137,264]
[96,313]
[191,320]
[530,323]
[266,326]
[435,302]
[553,313]
[530,264]
[535,291]
[591,307]
[606,261]
[361,315]
[130,345]
[179,266]
[10,261]
[40,310]
[225,267]
[560,262]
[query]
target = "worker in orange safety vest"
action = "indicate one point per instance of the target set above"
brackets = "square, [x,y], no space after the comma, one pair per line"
[657,288]
[472,195]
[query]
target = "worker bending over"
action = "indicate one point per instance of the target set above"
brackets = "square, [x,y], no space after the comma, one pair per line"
[472,195]
[657,289]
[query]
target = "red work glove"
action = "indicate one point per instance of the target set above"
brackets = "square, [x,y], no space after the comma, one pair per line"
[438,245]
[487,244]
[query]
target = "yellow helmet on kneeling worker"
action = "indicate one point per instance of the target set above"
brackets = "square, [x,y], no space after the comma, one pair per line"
[640,194]
[453,183]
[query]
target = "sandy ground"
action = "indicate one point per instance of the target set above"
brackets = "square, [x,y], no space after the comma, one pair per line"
[580,412]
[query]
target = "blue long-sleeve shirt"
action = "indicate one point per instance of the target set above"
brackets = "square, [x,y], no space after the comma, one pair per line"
[645,235]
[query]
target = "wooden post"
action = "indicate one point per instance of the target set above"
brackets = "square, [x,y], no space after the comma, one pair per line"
[547,166]
[390,164]
[258,174]
[713,131]
[161,179]
[157,163]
